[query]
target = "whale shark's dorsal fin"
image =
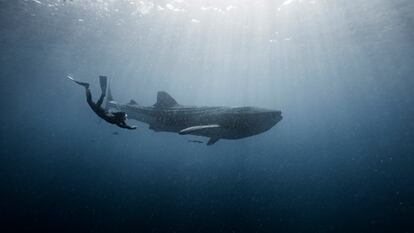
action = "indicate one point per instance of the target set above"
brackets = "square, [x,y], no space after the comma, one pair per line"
[133,102]
[164,100]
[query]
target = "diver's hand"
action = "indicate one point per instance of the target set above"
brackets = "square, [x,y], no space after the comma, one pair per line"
[125,126]
[132,127]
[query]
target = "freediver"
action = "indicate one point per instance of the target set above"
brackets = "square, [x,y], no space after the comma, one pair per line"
[117,118]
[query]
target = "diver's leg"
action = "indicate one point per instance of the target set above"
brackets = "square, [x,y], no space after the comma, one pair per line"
[100,101]
[89,97]
[103,81]
[88,92]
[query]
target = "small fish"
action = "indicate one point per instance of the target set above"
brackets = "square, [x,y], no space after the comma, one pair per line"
[115,133]
[195,141]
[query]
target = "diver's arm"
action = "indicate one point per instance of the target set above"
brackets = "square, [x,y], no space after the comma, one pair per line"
[130,127]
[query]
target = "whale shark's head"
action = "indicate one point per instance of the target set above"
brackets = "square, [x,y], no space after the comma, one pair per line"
[251,120]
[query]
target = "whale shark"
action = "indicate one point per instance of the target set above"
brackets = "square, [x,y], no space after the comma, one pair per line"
[215,123]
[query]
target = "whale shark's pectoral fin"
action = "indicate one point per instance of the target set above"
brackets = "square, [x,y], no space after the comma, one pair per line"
[212,141]
[199,128]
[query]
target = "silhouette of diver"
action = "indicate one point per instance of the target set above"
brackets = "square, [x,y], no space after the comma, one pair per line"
[117,118]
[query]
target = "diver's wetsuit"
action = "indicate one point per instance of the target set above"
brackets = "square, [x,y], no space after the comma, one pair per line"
[117,118]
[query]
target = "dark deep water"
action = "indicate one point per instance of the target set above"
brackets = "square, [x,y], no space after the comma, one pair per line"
[341,160]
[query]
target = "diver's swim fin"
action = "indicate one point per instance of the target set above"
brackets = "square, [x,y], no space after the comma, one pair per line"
[109,97]
[84,84]
[103,81]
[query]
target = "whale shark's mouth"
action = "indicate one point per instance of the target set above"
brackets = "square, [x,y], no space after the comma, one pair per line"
[276,115]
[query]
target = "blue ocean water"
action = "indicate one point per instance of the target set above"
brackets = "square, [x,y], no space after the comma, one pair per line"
[341,160]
